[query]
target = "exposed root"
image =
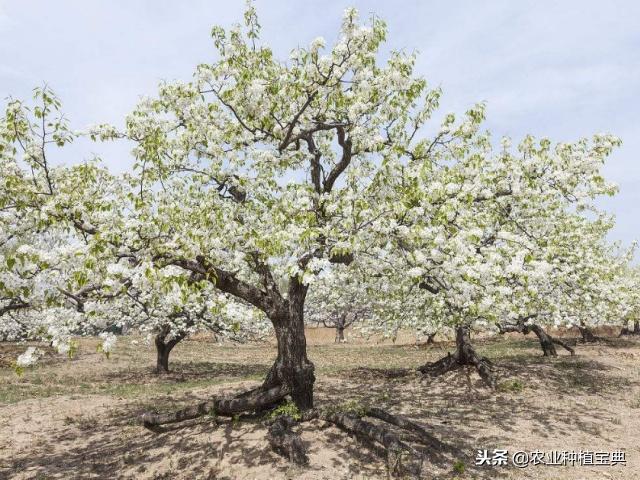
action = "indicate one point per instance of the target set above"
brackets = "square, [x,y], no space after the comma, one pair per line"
[440,367]
[406,424]
[587,335]
[485,369]
[465,354]
[381,372]
[286,442]
[256,400]
[401,458]
[563,344]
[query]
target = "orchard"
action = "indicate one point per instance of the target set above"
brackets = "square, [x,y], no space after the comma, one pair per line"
[269,197]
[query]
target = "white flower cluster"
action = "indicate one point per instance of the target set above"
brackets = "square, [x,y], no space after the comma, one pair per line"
[262,179]
[109,341]
[29,357]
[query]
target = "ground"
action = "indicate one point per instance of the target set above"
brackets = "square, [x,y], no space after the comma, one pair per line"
[76,418]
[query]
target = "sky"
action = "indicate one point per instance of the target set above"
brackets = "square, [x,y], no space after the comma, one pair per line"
[560,69]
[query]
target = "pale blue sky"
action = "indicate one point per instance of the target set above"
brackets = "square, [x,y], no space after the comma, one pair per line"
[562,69]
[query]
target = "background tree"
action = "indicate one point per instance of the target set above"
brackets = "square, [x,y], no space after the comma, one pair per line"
[338,301]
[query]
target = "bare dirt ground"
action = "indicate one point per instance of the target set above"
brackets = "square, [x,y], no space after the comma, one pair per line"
[75,419]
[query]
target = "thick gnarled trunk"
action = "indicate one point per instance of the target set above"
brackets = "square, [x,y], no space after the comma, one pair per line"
[465,354]
[340,324]
[163,349]
[292,367]
[548,348]
[468,356]
[547,342]
[587,334]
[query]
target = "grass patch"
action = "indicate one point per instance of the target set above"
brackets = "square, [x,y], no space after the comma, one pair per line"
[288,408]
[511,386]
[13,392]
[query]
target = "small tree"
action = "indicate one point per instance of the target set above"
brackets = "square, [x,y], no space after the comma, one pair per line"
[338,301]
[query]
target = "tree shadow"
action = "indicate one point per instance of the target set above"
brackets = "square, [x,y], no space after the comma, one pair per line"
[458,403]
[456,408]
[188,371]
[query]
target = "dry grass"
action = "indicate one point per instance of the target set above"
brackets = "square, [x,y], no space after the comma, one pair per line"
[74,419]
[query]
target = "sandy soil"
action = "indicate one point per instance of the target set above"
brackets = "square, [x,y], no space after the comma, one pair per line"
[75,419]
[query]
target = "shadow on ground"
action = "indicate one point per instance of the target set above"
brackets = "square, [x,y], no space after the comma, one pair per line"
[456,407]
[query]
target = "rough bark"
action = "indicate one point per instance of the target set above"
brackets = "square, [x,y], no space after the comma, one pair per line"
[396,449]
[340,323]
[401,457]
[286,442]
[548,348]
[441,366]
[547,342]
[405,424]
[162,356]
[226,406]
[292,368]
[564,345]
[465,354]
[587,334]
[163,349]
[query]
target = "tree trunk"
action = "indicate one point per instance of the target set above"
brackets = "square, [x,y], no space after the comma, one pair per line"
[162,357]
[468,356]
[587,334]
[546,342]
[340,326]
[163,349]
[339,334]
[292,367]
[464,355]
[627,331]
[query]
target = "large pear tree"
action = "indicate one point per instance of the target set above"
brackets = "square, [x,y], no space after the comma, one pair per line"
[260,177]
[259,173]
